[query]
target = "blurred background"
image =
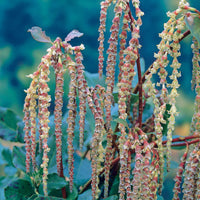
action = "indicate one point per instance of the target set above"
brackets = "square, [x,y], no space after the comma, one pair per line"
[20,53]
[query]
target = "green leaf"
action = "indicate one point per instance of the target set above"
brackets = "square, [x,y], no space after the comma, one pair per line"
[113,197]
[19,158]
[4,182]
[39,35]
[166,116]
[193,24]
[93,79]
[134,97]
[9,118]
[121,121]
[55,182]
[9,125]
[40,197]
[70,196]
[7,156]
[115,186]
[19,189]
[83,172]
[113,125]
[87,195]
[159,197]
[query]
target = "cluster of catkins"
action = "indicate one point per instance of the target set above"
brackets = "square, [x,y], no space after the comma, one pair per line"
[133,145]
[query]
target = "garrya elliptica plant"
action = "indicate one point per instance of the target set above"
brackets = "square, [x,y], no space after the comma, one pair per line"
[134,149]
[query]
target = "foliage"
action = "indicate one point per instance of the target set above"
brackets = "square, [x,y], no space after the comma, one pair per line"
[116,137]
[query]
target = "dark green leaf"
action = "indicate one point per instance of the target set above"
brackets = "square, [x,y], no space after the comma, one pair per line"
[39,35]
[70,196]
[55,182]
[83,172]
[7,133]
[113,125]
[9,118]
[114,197]
[166,117]
[87,195]
[134,97]
[19,158]
[7,156]
[115,186]
[40,197]
[9,122]
[159,197]
[19,189]
[193,23]
[4,182]
[121,121]
[93,79]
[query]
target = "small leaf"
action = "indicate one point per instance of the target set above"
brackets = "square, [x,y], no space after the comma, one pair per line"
[19,158]
[19,189]
[193,23]
[73,34]
[121,121]
[39,35]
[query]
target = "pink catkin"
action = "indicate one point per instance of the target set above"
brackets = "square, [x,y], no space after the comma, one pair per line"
[102,28]
[71,120]
[44,99]
[58,113]
[81,94]
[27,139]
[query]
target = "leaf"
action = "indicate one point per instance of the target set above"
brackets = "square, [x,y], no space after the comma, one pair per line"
[159,197]
[83,172]
[70,196]
[93,79]
[9,125]
[73,34]
[7,156]
[166,116]
[113,197]
[39,35]
[55,182]
[134,97]
[9,118]
[19,189]
[40,197]
[121,121]
[193,24]
[87,195]
[4,182]
[115,186]
[19,158]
